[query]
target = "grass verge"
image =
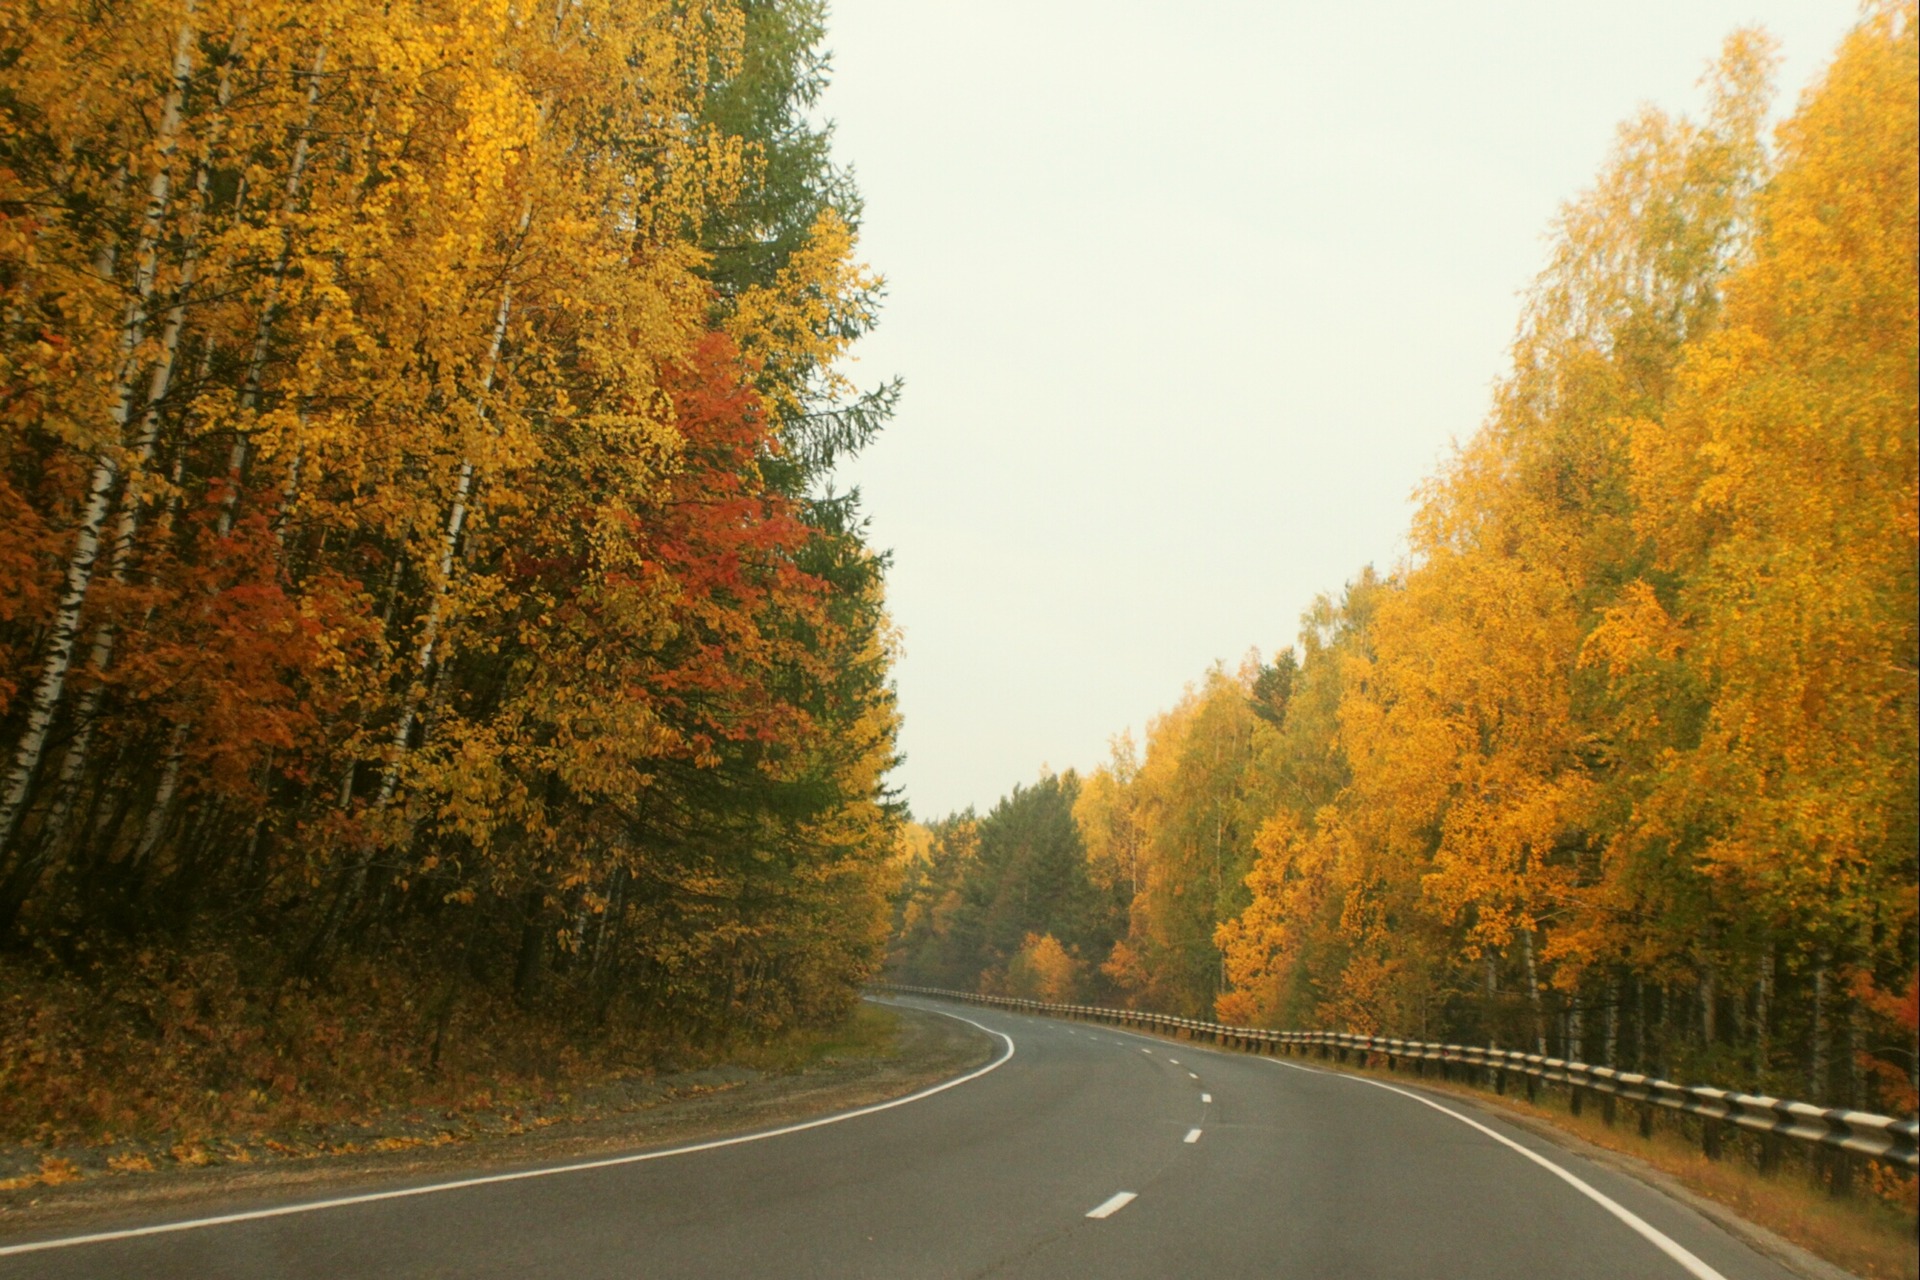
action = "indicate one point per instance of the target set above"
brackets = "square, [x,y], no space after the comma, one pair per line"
[874,1055]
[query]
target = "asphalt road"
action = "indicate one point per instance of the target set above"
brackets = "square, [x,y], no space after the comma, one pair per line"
[1203,1164]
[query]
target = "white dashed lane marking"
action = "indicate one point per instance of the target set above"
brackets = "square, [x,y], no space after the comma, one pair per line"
[1111,1205]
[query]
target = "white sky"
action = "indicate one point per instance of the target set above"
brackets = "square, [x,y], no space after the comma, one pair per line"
[1188,298]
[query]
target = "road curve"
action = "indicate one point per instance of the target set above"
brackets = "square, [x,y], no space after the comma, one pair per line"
[1082,1151]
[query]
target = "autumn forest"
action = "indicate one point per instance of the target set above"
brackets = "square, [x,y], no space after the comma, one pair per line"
[1620,762]
[432,640]
[426,622]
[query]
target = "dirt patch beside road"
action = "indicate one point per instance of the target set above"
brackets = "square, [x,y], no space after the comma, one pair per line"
[896,1051]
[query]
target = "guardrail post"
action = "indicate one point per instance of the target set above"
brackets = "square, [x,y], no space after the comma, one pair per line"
[1710,1137]
[1646,1119]
[1533,1087]
[1500,1081]
[1574,1099]
[1608,1105]
[1769,1153]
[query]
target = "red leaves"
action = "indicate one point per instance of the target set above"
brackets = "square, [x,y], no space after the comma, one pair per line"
[725,543]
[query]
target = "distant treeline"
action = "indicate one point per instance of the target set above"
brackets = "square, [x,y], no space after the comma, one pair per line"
[417,561]
[1620,763]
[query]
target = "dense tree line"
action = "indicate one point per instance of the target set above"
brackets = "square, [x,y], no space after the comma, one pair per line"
[1620,763]
[417,545]
[982,897]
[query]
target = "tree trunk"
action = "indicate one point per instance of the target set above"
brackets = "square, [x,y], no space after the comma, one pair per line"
[1663,1047]
[1613,1021]
[154,828]
[533,945]
[157,814]
[1639,1024]
[126,528]
[449,542]
[1817,1056]
[1491,1001]
[263,327]
[398,747]
[1856,1047]
[65,630]
[1739,1011]
[1533,993]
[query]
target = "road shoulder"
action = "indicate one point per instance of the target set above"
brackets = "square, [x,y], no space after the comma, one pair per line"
[928,1048]
[1769,1244]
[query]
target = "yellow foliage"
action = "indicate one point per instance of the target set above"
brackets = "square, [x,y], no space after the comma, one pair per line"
[1042,970]
[1780,493]
[1638,713]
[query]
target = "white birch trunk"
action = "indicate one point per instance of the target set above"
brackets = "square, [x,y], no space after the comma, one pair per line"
[449,543]
[79,577]
[398,746]
[1492,984]
[1639,1024]
[157,813]
[1613,1020]
[290,488]
[1533,993]
[1817,1065]
[263,328]
[126,526]
[1856,1047]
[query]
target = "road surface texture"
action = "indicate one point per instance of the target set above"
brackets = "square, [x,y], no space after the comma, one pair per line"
[1077,1151]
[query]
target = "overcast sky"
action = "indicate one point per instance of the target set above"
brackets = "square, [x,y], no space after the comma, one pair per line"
[1189,298]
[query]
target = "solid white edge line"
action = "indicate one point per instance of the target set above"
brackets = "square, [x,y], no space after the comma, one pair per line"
[341,1202]
[1193,1135]
[1112,1204]
[1652,1234]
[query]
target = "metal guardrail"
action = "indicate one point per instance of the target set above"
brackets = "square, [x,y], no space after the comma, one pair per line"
[1863,1133]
